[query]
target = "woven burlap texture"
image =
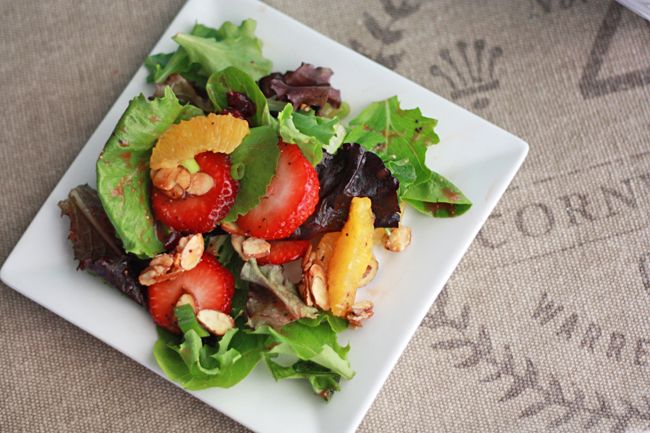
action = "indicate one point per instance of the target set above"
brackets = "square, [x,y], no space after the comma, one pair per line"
[544,325]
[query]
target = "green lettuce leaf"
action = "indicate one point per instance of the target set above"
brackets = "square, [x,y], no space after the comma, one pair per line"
[168,358]
[323,381]
[196,365]
[162,65]
[404,171]
[189,111]
[235,80]
[328,110]
[253,164]
[187,320]
[232,46]
[155,64]
[394,134]
[310,132]
[312,348]
[451,201]
[315,342]
[401,138]
[123,170]
[309,345]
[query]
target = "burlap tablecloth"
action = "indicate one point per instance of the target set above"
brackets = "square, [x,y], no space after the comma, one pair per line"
[543,327]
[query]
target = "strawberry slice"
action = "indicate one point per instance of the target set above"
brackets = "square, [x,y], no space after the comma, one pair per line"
[211,285]
[199,214]
[283,252]
[290,198]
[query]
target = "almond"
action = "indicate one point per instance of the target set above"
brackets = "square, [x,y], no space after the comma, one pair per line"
[186,299]
[191,251]
[254,248]
[318,287]
[200,183]
[359,312]
[215,322]
[398,239]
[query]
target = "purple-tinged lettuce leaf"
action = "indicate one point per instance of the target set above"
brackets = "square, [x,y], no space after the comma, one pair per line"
[95,245]
[91,232]
[264,308]
[185,91]
[307,85]
[351,172]
[121,273]
[271,277]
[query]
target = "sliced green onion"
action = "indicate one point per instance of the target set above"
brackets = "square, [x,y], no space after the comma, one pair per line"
[191,165]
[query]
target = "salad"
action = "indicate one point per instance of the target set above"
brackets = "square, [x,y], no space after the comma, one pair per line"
[241,210]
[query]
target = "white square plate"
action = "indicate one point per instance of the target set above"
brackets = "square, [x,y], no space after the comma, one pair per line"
[641,7]
[477,156]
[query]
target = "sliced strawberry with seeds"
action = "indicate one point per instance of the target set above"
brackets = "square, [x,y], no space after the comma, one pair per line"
[290,198]
[211,285]
[201,213]
[284,252]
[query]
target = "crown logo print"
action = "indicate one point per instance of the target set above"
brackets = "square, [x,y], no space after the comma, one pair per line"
[385,34]
[469,72]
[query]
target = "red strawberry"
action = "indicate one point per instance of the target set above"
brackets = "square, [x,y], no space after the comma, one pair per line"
[284,251]
[290,198]
[211,285]
[199,214]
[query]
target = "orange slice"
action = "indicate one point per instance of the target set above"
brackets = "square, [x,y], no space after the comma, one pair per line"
[351,256]
[215,133]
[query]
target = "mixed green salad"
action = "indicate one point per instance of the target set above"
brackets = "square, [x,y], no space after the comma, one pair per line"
[240,208]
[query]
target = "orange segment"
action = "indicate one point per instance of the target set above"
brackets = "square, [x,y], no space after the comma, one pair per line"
[215,133]
[351,256]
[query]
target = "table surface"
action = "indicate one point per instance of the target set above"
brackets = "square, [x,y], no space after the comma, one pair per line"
[544,325]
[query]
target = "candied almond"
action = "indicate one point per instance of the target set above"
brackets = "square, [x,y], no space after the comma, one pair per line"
[318,287]
[186,299]
[159,267]
[359,312]
[183,178]
[164,266]
[398,239]
[255,248]
[215,322]
[164,178]
[200,183]
[190,250]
